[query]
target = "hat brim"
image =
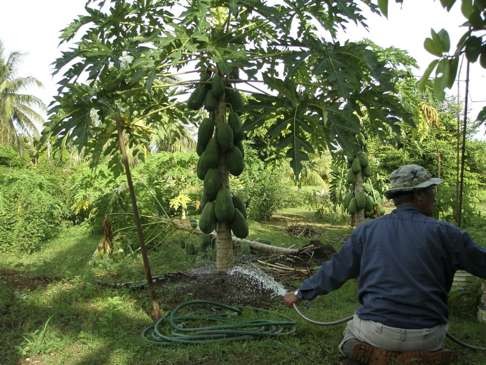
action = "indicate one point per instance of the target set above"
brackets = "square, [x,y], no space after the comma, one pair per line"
[430,182]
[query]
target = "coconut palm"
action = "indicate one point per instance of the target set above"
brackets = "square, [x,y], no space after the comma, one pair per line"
[19,112]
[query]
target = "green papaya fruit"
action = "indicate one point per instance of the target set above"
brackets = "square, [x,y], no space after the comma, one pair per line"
[363,159]
[369,203]
[212,183]
[235,124]
[347,199]
[212,153]
[217,86]
[352,208]
[239,226]
[239,145]
[235,162]
[204,134]
[361,200]
[210,102]
[196,99]
[351,177]
[224,136]
[367,171]
[239,205]
[209,159]
[224,209]
[356,166]
[235,100]
[207,220]
[201,169]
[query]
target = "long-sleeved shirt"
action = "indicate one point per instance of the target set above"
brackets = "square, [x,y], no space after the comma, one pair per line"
[405,263]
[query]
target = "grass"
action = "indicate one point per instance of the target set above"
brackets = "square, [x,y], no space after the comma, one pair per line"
[52,311]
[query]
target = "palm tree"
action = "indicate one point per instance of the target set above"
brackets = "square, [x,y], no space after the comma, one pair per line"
[19,112]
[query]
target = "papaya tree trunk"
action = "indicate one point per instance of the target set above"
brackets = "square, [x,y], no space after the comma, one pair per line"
[136,217]
[224,242]
[359,216]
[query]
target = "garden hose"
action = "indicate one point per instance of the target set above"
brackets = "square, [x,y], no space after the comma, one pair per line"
[345,319]
[319,323]
[200,321]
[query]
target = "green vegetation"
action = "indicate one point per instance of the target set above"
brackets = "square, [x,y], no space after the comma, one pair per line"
[296,136]
[54,312]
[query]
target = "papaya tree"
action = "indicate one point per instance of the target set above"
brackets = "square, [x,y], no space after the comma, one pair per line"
[111,92]
[309,90]
[278,65]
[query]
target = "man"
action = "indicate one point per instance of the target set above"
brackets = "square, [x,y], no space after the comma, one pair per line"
[405,263]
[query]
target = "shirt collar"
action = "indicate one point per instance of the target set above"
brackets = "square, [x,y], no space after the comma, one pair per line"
[406,207]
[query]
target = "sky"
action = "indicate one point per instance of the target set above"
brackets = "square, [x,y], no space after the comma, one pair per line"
[32,27]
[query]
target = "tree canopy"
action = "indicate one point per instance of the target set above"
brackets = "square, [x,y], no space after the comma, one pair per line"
[19,112]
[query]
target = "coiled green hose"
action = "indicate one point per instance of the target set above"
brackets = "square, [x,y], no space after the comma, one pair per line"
[200,321]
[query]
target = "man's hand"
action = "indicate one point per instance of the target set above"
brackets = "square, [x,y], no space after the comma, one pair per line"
[290,299]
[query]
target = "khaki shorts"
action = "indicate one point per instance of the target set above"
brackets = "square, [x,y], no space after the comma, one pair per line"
[393,338]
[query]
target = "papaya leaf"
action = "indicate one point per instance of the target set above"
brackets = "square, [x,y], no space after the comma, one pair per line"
[467,8]
[284,88]
[297,158]
[383,5]
[447,4]
[70,31]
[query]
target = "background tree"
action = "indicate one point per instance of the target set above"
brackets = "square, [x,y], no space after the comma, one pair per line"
[472,44]
[19,112]
[110,93]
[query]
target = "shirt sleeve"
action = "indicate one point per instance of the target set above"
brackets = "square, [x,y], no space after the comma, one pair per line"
[469,255]
[335,272]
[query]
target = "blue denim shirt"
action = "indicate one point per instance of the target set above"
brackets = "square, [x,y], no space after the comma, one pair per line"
[405,263]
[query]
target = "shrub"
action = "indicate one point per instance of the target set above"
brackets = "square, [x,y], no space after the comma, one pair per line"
[31,209]
[162,183]
[320,202]
[263,186]
[10,158]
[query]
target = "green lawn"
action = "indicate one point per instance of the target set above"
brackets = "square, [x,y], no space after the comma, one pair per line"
[53,312]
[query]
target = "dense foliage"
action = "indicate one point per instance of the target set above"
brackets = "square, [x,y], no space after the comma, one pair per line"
[32,208]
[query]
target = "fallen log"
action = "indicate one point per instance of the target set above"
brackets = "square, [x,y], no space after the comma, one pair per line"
[259,246]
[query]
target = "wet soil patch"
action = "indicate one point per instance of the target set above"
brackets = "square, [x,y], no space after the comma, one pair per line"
[222,288]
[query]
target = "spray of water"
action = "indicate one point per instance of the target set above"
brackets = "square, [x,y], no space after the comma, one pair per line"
[259,277]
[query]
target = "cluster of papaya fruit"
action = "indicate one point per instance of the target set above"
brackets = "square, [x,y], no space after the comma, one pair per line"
[355,202]
[220,150]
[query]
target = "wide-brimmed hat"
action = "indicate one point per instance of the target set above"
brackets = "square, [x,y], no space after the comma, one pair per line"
[409,178]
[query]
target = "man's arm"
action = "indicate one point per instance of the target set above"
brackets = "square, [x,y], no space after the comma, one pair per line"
[470,256]
[335,272]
